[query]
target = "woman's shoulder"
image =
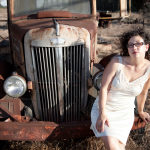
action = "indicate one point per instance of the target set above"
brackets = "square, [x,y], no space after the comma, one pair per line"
[114,63]
[116,59]
[112,67]
[147,62]
[120,59]
[125,59]
[148,67]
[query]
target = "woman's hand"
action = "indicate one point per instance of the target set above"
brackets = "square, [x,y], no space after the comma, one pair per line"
[101,122]
[145,116]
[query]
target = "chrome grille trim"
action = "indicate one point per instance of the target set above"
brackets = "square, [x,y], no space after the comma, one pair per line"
[61,81]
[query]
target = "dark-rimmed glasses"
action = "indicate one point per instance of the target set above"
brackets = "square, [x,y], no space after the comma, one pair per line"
[139,44]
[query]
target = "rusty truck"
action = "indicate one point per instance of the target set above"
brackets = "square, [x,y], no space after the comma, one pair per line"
[47,89]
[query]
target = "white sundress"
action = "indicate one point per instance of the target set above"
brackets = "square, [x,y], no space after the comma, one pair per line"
[119,105]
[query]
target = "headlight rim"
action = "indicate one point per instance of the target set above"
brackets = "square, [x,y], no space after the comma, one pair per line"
[19,78]
[99,73]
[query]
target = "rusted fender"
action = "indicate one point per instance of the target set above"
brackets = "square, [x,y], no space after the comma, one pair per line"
[44,131]
[48,131]
[138,123]
[105,61]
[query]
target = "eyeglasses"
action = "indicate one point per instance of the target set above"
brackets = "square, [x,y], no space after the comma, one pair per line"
[136,44]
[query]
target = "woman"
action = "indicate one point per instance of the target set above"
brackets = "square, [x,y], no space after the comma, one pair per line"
[125,77]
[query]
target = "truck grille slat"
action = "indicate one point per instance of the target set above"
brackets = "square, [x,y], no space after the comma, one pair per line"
[45,82]
[39,80]
[77,73]
[53,82]
[74,94]
[83,78]
[60,75]
[68,79]
[71,79]
[80,52]
[49,88]
[64,80]
[41,112]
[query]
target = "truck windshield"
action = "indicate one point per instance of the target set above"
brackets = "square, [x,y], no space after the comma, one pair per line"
[25,7]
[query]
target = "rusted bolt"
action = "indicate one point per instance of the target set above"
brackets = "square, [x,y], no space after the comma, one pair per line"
[62,128]
[30,85]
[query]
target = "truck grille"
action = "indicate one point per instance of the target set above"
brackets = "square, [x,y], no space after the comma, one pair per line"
[60,81]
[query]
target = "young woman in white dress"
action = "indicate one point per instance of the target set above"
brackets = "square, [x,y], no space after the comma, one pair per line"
[125,77]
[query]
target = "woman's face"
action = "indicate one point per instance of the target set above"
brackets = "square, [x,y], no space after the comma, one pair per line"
[137,47]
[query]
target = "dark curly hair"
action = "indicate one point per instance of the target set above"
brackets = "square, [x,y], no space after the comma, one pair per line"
[129,34]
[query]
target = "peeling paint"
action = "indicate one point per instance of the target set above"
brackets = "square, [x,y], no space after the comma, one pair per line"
[48,127]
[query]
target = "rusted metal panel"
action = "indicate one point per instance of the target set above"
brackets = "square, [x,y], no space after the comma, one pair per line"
[104,62]
[9,16]
[18,50]
[138,123]
[35,103]
[15,103]
[94,11]
[74,15]
[93,46]
[44,131]
[30,85]
[52,14]
[20,28]
[18,56]
[48,131]
[13,110]
[92,53]
[14,117]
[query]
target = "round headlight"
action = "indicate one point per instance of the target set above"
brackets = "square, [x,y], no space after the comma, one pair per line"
[97,80]
[15,86]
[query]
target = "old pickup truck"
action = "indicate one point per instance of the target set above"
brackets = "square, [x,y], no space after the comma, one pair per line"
[46,93]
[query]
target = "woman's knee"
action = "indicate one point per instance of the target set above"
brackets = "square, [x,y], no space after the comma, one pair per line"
[110,143]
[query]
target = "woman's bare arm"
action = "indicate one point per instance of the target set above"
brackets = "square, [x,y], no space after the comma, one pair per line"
[107,78]
[141,101]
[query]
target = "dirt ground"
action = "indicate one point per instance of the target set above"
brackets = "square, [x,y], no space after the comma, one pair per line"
[138,140]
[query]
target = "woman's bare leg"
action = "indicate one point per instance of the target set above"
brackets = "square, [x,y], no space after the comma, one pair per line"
[111,143]
[121,146]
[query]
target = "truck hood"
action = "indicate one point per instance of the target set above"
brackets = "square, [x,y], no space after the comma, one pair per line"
[20,28]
